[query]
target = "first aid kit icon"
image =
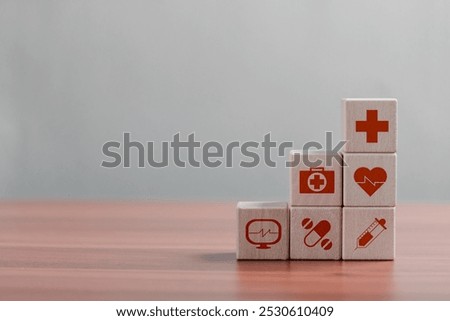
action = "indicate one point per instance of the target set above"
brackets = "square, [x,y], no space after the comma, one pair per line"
[316,180]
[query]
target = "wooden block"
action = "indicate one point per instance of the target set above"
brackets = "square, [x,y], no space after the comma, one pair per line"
[370,179]
[313,185]
[368,233]
[263,231]
[316,233]
[370,125]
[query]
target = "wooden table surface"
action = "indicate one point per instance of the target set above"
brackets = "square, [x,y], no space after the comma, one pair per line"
[186,251]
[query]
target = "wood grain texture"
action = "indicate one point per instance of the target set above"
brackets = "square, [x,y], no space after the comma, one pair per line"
[379,244]
[262,231]
[381,137]
[309,230]
[361,193]
[176,251]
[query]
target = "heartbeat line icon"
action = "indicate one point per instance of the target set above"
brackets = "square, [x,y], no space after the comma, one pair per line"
[263,234]
[368,181]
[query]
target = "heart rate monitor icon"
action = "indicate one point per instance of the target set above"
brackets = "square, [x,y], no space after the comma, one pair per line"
[370,180]
[263,232]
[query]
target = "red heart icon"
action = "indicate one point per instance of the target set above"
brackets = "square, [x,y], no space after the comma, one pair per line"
[370,180]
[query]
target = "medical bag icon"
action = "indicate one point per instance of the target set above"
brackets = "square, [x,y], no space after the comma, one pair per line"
[316,180]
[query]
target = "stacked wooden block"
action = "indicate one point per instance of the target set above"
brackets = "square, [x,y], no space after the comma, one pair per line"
[370,179]
[341,206]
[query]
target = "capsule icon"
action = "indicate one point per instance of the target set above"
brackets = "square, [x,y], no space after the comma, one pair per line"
[317,233]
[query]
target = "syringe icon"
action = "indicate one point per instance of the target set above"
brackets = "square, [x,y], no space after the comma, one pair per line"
[371,233]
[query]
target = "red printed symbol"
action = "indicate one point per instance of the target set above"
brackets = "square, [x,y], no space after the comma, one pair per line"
[317,180]
[371,233]
[372,126]
[370,180]
[263,232]
[317,233]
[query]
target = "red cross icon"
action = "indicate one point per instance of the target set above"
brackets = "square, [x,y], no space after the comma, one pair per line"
[317,182]
[372,126]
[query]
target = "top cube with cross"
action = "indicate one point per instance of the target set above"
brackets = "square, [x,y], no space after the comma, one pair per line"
[370,125]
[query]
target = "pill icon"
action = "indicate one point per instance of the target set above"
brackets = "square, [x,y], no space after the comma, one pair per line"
[317,233]
[326,244]
[307,223]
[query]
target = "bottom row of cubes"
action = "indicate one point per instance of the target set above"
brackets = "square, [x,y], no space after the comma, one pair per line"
[273,231]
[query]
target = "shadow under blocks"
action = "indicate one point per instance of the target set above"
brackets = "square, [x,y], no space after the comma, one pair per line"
[343,209]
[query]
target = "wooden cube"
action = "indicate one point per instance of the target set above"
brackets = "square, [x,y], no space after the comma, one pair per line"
[316,233]
[315,185]
[263,231]
[368,233]
[370,179]
[370,125]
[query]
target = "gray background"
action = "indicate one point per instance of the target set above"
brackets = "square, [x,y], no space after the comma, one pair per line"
[75,74]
